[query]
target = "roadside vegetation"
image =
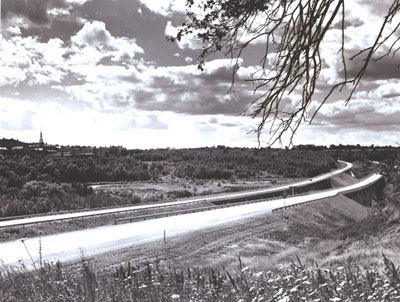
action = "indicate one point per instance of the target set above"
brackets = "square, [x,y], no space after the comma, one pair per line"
[349,281]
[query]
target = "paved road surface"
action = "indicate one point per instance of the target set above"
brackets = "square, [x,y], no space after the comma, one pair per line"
[47,218]
[68,246]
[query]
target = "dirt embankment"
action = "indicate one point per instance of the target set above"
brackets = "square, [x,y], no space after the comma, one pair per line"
[315,232]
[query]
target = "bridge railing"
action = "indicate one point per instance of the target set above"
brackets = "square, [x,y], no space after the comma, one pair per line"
[187,211]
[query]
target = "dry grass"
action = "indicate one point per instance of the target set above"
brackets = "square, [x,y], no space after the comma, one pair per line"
[294,281]
[315,232]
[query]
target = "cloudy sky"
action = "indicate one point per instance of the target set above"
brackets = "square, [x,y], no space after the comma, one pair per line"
[100,72]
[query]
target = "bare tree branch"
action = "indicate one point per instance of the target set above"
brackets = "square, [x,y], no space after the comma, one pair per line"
[293,31]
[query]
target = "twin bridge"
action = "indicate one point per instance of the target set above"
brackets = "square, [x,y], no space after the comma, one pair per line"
[364,191]
[223,209]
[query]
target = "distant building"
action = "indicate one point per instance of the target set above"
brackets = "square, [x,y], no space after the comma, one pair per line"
[82,151]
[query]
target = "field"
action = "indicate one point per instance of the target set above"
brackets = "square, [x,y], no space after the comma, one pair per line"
[168,188]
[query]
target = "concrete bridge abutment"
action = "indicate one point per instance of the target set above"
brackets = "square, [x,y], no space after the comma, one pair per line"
[367,195]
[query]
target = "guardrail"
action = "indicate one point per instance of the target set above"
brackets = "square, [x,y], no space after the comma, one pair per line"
[346,190]
[152,204]
[166,214]
[301,204]
[202,209]
[55,219]
[283,188]
[378,177]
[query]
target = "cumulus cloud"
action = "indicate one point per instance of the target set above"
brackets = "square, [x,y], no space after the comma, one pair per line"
[363,23]
[93,54]
[37,11]
[189,41]
[92,34]
[94,43]
[34,10]
[154,123]
[166,89]
[387,68]
[360,114]
[28,59]
[165,7]
[11,76]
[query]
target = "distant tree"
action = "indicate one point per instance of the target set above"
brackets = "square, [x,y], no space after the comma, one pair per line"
[14,181]
[294,30]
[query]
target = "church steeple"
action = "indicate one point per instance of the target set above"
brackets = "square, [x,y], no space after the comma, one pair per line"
[41,142]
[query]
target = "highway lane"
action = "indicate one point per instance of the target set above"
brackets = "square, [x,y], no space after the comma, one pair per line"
[287,187]
[48,218]
[68,246]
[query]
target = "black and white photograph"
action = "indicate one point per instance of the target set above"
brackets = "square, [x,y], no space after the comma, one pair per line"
[200,150]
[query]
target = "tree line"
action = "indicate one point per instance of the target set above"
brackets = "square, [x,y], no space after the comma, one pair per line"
[33,183]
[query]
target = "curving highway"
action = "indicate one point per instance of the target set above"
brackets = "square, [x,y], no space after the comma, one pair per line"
[69,246]
[253,193]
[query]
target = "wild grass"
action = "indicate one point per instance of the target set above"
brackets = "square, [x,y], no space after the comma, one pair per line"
[154,282]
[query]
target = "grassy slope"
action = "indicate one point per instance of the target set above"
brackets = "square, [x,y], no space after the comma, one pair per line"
[312,231]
